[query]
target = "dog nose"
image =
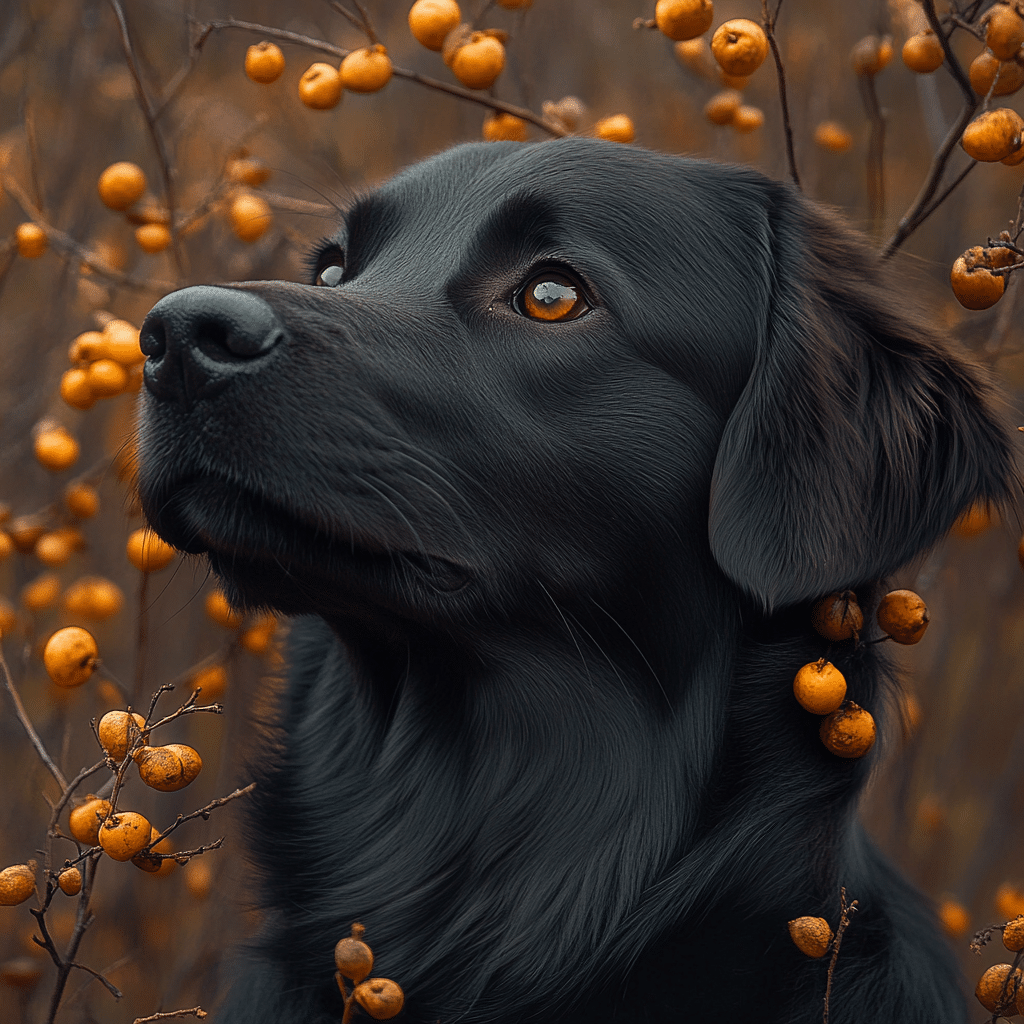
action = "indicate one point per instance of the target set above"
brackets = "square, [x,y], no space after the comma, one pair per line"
[201,338]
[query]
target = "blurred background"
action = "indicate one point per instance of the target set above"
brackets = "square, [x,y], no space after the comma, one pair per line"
[946,803]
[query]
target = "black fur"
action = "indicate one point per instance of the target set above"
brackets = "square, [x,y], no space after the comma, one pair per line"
[553,583]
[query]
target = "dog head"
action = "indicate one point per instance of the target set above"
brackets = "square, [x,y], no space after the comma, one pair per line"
[571,365]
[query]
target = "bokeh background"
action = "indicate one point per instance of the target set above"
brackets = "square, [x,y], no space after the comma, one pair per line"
[946,803]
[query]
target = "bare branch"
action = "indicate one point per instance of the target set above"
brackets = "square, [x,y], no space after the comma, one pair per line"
[26,724]
[769,28]
[195,1011]
[203,812]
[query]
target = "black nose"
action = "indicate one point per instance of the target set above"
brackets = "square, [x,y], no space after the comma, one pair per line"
[199,339]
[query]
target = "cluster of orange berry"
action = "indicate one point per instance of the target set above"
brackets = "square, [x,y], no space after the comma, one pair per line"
[847,729]
[381,998]
[1001,988]
[739,48]
[105,364]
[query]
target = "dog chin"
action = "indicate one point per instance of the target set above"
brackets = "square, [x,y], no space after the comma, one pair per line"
[271,556]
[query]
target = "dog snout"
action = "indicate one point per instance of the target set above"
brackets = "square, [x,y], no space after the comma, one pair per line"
[199,339]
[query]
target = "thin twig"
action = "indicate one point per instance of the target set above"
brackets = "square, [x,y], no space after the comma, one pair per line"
[844,919]
[110,987]
[875,164]
[203,812]
[149,113]
[195,1011]
[769,28]
[922,206]
[413,76]
[26,724]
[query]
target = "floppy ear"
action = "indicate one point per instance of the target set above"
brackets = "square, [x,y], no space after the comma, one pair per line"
[859,437]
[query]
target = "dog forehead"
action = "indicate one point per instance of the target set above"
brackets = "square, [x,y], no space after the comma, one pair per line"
[592,188]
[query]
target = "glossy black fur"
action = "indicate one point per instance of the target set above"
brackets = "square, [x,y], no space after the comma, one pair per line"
[553,583]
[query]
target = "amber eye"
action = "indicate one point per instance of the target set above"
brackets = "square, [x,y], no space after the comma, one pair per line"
[330,276]
[552,296]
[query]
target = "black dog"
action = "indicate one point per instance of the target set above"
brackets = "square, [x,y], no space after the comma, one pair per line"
[553,464]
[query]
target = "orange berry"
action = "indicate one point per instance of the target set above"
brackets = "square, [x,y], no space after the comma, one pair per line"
[198,878]
[70,656]
[923,52]
[250,216]
[997,988]
[247,171]
[160,768]
[218,609]
[84,820]
[366,70]
[478,63]
[693,54]
[53,549]
[55,448]
[1004,32]
[977,519]
[212,680]
[722,107]
[155,865]
[838,616]
[870,54]
[6,545]
[684,19]
[1013,934]
[86,347]
[125,835]
[740,46]
[748,119]
[431,20]
[93,597]
[41,592]
[1009,901]
[832,136]
[848,732]
[70,881]
[152,238]
[819,687]
[23,972]
[8,617]
[502,127]
[256,639]
[984,70]
[993,135]
[320,86]
[973,284]
[353,958]
[121,185]
[116,733]
[75,390]
[903,615]
[811,935]
[31,240]
[82,500]
[148,552]
[264,62]
[617,128]
[106,378]
[953,917]
[381,998]
[120,341]
[17,884]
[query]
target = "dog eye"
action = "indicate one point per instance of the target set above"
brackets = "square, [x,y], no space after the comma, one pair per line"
[551,296]
[330,276]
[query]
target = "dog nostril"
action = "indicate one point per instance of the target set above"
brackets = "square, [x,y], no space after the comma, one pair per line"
[153,337]
[218,334]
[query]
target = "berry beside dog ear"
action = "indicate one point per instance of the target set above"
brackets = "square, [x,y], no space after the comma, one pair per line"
[859,437]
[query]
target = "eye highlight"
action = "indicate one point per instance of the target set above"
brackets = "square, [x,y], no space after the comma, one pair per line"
[551,296]
[330,276]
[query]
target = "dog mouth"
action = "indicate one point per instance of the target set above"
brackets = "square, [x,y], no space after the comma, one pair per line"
[259,543]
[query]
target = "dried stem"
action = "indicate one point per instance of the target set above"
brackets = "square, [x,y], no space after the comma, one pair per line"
[769,28]
[922,207]
[149,112]
[844,920]
[414,76]
[195,1011]
[26,724]
[875,164]
[141,636]
[203,812]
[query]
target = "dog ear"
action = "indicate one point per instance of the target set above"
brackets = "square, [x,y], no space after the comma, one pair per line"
[859,437]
